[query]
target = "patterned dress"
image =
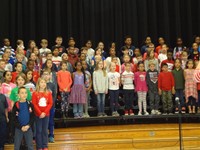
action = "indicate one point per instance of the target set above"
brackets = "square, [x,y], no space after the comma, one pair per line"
[78,92]
[190,84]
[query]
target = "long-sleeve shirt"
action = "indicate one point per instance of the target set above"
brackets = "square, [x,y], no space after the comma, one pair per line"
[127,80]
[100,82]
[140,81]
[165,81]
[152,80]
[64,80]
[42,102]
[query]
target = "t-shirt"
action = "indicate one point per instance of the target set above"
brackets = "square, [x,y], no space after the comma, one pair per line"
[23,115]
[127,79]
[3,106]
[14,95]
[113,80]
[162,57]
[56,60]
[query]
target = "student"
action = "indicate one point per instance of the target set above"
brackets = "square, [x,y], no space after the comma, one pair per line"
[30,84]
[64,82]
[11,58]
[49,57]
[65,59]
[23,114]
[42,102]
[194,54]
[163,55]
[125,51]
[113,86]
[56,58]
[152,83]
[22,59]
[90,50]
[146,44]
[30,66]
[115,60]
[166,89]
[8,67]
[184,59]
[3,120]
[49,67]
[88,86]
[150,47]
[100,87]
[6,45]
[178,49]
[178,74]
[20,44]
[44,50]
[52,88]
[127,79]
[98,53]
[101,46]
[128,44]
[73,58]
[31,45]
[127,59]
[18,68]
[71,43]
[58,41]
[161,42]
[2,70]
[151,59]
[191,95]
[141,88]
[78,91]
[169,61]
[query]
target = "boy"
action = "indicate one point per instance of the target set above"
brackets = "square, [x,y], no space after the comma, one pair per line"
[61,48]
[71,43]
[169,61]
[44,50]
[2,69]
[52,87]
[163,55]
[166,89]
[128,88]
[18,68]
[3,120]
[73,58]
[56,58]
[22,59]
[161,42]
[49,56]
[125,51]
[152,83]
[128,42]
[6,43]
[8,66]
[23,115]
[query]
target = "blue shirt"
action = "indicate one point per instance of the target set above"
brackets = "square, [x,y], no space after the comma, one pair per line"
[24,115]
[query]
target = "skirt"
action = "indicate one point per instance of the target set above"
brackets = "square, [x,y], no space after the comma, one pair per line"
[78,94]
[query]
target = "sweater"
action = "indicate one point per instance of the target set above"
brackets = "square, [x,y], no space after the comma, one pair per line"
[140,81]
[152,80]
[100,82]
[165,81]
[179,79]
[64,80]
[42,102]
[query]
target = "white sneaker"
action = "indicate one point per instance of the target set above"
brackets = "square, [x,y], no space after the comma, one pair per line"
[139,113]
[146,113]
[164,113]
[116,113]
[153,112]
[157,112]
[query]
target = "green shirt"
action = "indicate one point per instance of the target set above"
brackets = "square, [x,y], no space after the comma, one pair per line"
[14,95]
[179,79]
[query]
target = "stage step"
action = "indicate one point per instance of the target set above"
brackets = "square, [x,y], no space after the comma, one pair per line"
[152,136]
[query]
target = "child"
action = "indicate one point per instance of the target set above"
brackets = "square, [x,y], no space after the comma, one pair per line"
[49,57]
[166,89]
[4,120]
[8,67]
[2,70]
[6,43]
[98,52]
[22,59]
[78,91]
[108,60]
[73,58]
[42,102]
[150,47]
[65,59]
[64,82]
[51,87]
[115,60]
[56,58]
[30,66]
[90,51]
[127,59]
[113,86]
[151,59]
[71,43]
[18,68]
[49,67]
[163,55]
[169,61]
[101,46]
[136,54]
[100,87]
[141,88]
[36,66]
[20,44]
[129,46]
[179,84]
[31,45]
[146,45]
[82,57]
[194,55]
[23,114]
[88,86]
[30,84]
[184,59]
[11,58]
[125,51]
[61,49]
[161,42]
[152,83]
[127,79]
[44,50]
[178,49]
[190,86]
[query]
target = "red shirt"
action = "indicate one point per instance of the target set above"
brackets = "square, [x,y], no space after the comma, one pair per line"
[145,55]
[170,64]
[117,68]
[165,81]
[14,75]
[36,75]
[42,102]
[72,59]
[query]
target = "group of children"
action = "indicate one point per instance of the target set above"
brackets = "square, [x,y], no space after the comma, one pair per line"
[32,80]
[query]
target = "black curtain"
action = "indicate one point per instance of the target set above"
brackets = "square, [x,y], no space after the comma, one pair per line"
[100,20]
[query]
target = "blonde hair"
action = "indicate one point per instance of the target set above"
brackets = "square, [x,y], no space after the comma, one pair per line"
[44,41]
[97,68]
[38,86]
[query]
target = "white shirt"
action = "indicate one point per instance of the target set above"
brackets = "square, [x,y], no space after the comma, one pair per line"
[162,57]
[56,60]
[127,79]
[113,80]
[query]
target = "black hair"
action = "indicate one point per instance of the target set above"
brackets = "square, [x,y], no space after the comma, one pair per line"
[17,64]
[164,64]
[20,88]
[126,37]
[4,74]
[45,65]
[124,48]
[82,70]
[140,62]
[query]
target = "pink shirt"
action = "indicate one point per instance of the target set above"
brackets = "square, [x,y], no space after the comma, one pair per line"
[140,81]
[6,90]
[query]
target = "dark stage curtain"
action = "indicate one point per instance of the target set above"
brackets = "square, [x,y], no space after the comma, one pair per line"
[100,20]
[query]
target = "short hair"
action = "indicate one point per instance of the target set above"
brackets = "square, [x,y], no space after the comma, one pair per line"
[124,48]
[128,63]
[49,53]
[17,64]
[151,63]
[44,41]
[19,41]
[1,60]
[164,64]
[59,37]
[20,88]
[7,49]
[126,37]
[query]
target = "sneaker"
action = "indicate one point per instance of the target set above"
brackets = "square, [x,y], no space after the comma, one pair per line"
[164,113]
[146,113]
[153,112]
[104,115]
[86,116]
[117,114]
[76,116]
[126,113]
[131,112]
[176,111]
[51,140]
[157,112]
[139,113]
[113,113]
[183,110]
[99,115]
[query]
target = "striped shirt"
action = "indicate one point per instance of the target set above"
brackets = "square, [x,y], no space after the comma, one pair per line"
[127,80]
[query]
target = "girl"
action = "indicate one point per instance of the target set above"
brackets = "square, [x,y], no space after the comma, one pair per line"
[194,52]
[113,86]
[100,84]
[190,86]
[90,52]
[30,84]
[64,83]
[78,92]
[126,59]
[50,68]
[141,88]
[31,45]
[33,57]
[101,46]
[146,44]
[88,86]
[42,102]
[151,59]
[98,52]
[65,59]
[30,66]
[184,59]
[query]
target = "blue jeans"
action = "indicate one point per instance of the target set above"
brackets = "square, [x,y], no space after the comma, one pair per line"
[28,136]
[78,110]
[42,132]
[114,96]
[3,132]
[179,94]
[100,102]
[51,122]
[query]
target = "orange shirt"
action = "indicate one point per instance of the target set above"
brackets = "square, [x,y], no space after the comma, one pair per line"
[64,80]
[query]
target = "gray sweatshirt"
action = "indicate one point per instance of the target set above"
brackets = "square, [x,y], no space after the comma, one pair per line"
[100,83]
